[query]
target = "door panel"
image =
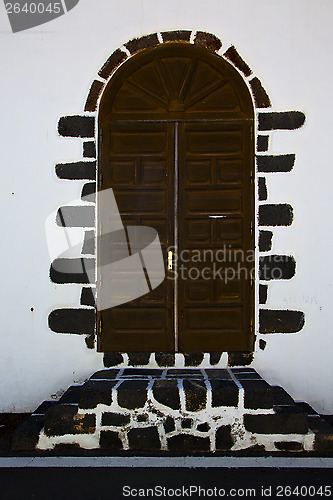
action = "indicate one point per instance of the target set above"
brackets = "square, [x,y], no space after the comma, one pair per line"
[213,141]
[215,220]
[137,161]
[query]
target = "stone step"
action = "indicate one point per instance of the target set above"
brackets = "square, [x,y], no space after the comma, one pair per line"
[285,420]
[176,410]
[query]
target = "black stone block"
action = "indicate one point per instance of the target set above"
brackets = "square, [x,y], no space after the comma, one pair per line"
[169,424]
[142,372]
[90,341]
[257,394]
[263,294]
[224,439]
[265,241]
[221,373]
[96,392]
[138,358]
[176,36]
[271,321]
[256,450]
[215,358]
[189,443]
[224,393]
[183,373]
[94,93]
[71,396]
[110,440]
[323,434]
[64,449]
[64,419]
[195,394]
[83,216]
[42,408]
[262,189]
[105,375]
[26,436]
[287,120]
[288,446]
[141,43]
[165,359]
[260,95]
[328,418]
[144,439]
[87,297]
[291,409]
[276,424]
[204,427]
[276,267]
[275,163]
[142,418]
[89,192]
[72,270]
[76,321]
[305,407]
[132,394]
[280,396]
[187,423]
[240,369]
[116,58]
[77,170]
[207,40]
[240,358]
[238,61]
[112,359]
[253,375]
[276,215]
[116,419]
[77,126]
[262,143]
[89,149]
[193,358]
[166,392]
[262,344]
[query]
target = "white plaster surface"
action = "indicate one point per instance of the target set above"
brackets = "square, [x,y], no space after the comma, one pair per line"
[46,73]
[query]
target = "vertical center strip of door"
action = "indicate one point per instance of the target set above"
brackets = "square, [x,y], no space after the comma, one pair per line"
[176,322]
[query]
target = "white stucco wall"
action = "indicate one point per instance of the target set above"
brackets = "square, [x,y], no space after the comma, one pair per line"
[46,72]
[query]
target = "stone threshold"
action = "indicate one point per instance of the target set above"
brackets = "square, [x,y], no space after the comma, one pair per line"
[156,462]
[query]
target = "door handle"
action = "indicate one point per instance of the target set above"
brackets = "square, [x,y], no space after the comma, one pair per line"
[170,259]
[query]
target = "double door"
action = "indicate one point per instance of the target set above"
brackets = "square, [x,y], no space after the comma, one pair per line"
[193,183]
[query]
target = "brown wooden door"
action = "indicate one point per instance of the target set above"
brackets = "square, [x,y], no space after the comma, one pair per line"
[176,147]
[191,182]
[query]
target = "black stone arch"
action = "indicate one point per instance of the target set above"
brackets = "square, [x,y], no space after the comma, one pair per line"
[206,41]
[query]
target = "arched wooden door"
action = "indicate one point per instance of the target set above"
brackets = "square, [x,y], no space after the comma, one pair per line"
[176,146]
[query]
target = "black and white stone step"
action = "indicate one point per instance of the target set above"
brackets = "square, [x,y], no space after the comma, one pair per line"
[176,410]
